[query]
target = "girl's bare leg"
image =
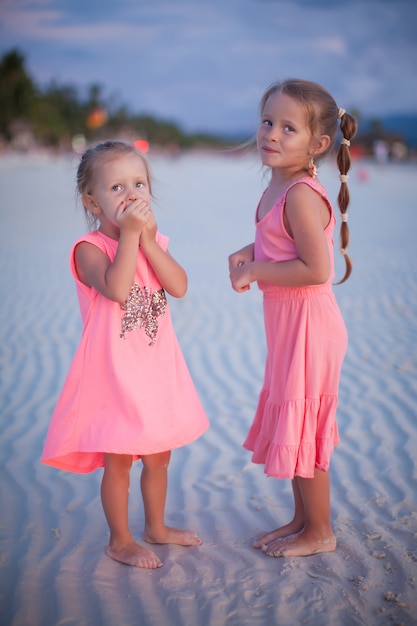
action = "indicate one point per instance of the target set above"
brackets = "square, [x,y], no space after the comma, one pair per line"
[296,524]
[114,496]
[317,533]
[154,484]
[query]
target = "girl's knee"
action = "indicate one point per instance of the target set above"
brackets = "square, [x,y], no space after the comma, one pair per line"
[155,462]
[118,462]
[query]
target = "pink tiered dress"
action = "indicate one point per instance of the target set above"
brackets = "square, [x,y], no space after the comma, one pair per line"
[128,390]
[294,429]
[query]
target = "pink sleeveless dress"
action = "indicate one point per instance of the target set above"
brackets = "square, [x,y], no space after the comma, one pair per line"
[294,429]
[128,390]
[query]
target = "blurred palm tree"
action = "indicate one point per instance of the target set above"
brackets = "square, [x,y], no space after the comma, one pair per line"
[17,92]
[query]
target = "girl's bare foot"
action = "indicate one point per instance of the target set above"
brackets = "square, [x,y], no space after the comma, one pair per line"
[266,538]
[133,554]
[178,536]
[299,545]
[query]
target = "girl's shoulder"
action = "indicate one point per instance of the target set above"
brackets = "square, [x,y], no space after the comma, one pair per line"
[313,183]
[96,238]
[107,245]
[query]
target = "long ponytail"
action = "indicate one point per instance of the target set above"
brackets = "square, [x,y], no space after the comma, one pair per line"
[348,127]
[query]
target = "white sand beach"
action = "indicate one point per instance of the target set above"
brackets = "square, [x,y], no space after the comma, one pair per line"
[53,569]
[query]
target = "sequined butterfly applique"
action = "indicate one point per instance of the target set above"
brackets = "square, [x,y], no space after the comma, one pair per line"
[143,307]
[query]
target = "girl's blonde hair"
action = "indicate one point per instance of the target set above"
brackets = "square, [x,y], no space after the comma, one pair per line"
[323,115]
[90,162]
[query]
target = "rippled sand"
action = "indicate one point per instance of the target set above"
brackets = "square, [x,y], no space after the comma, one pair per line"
[53,569]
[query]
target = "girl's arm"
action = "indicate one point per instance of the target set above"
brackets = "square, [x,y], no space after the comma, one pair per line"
[112,280]
[306,216]
[237,259]
[170,274]
[244,255]
[94,268]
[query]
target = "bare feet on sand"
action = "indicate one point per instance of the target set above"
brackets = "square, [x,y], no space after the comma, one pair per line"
[133,554]
[267,537]
[178,536]
[299,545]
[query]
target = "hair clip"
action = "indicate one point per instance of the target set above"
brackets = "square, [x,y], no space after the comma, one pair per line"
[340,113]
[344,178]
[344,217]
[345,142]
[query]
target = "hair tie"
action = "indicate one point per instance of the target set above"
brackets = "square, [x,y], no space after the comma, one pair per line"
[345,142]
[344,217]
[340,113]
[344,178]
[343,251]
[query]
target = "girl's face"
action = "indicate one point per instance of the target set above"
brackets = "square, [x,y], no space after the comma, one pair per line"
[284,139]
[117,183]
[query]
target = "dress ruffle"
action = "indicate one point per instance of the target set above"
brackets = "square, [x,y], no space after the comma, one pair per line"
[293,438]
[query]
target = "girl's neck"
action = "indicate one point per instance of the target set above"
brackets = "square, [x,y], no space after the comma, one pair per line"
[281,179]
[285,177]
[109,230]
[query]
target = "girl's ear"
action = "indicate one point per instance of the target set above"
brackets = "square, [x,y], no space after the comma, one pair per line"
[322,144]
[90,204]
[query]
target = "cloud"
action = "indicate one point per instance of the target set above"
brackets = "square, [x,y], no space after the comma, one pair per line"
[334,45]
[205,64]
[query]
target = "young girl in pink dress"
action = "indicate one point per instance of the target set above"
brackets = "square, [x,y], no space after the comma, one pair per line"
[294,429]
[128,393]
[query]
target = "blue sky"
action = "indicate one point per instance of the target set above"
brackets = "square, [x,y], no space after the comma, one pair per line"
[205,64]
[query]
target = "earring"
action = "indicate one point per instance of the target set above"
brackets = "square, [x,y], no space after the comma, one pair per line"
[312,168]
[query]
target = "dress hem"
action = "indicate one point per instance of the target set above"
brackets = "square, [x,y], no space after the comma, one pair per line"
[58,462]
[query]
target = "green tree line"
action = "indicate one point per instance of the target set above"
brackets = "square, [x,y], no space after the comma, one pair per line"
[55,114]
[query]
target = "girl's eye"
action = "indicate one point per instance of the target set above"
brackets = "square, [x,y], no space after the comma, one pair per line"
[139,185]
[116,187]
[288,128]
[266,123]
